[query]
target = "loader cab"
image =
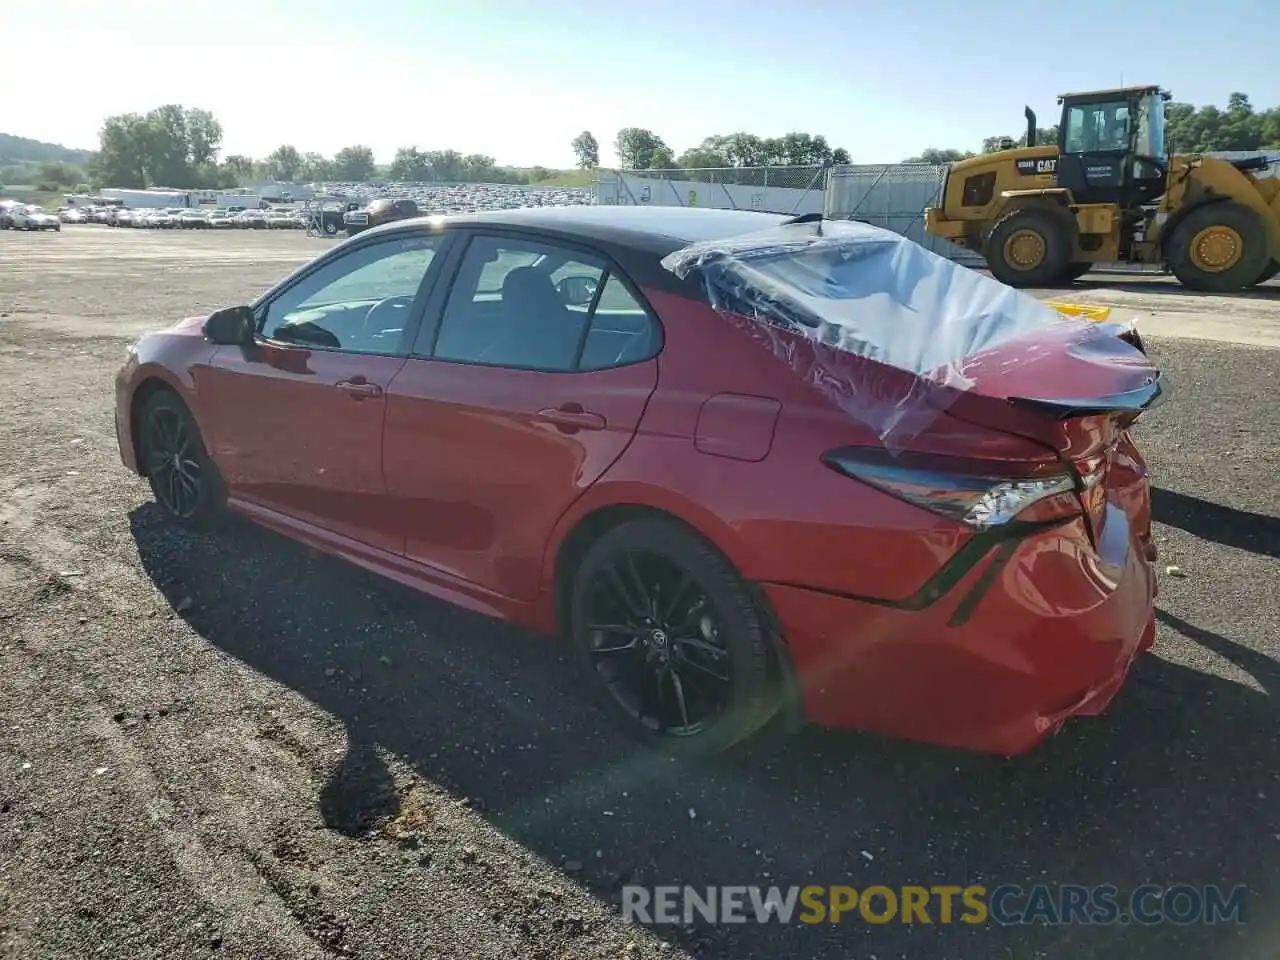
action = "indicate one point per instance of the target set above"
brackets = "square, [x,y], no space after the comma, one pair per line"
[1111,146]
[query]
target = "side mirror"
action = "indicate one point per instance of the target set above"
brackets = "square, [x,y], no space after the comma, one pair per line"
[231,326]
[577,291]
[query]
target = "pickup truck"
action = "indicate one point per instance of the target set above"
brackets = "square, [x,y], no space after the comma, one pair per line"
[381,211]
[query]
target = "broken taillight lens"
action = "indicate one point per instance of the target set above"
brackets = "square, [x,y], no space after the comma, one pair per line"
[979,495]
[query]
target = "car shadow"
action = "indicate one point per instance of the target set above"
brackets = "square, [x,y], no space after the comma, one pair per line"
[1254,532]
[1177,783]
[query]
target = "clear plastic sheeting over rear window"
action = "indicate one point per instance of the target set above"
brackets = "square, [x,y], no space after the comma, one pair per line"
[872,293]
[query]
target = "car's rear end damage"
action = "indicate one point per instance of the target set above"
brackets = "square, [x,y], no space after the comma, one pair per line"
[976,404]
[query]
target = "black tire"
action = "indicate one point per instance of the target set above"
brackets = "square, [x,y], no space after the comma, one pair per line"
[728,648]
[1249,264]
[1056,237]
[1075,271]
[168,438]
[330,229]
[1268,272]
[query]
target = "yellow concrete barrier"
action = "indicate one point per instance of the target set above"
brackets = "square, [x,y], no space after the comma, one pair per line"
[1085,311]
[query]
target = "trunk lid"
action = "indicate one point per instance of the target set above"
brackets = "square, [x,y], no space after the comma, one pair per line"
[1073,386]
[1075,389]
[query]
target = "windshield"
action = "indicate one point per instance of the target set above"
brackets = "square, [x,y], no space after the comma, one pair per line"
[1150,141]
[1098,127]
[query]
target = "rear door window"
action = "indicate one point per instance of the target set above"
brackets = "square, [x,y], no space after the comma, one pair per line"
[536,306]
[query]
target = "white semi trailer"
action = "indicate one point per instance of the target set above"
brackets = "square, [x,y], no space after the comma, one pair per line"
[142,199]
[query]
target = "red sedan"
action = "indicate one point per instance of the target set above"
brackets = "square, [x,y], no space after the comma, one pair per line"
[740,460]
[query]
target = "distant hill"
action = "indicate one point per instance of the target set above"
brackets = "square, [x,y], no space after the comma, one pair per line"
[22,150]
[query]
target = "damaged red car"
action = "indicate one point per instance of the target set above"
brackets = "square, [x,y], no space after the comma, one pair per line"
[742,461]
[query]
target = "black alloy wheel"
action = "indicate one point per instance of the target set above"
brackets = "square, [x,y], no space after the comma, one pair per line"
[182,477]
[671,639]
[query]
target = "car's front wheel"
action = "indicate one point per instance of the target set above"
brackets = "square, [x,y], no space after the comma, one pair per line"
[183,479]
[671,640]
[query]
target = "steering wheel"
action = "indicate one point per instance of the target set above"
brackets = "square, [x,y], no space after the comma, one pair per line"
[373,326]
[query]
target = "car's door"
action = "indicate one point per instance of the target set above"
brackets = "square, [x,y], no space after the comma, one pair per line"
[523,386]
[298,417]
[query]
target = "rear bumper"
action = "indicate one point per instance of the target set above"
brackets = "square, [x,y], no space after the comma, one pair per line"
[1032,635]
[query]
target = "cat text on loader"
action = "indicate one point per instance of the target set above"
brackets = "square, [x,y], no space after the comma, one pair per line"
[1108,192]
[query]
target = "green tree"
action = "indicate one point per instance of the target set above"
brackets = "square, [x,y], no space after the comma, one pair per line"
[204,137]
[354,164]
[586,149]
[283,163]
[409,163]
[477,167]
[662,159]
[707,155]
[445,164]
[635,147]
[169,146]
[315,167]
[123,158]
[59,176]
[939,157]
[240,166]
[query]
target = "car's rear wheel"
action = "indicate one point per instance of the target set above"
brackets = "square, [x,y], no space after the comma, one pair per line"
[183,479]
[677,651]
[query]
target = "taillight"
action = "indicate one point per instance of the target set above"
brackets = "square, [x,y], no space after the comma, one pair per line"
[978,494]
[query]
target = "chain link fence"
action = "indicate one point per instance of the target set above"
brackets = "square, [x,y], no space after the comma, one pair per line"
[893,196]
[775,189]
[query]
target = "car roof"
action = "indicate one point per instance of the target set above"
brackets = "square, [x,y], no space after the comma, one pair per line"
[651,229]
[636,237]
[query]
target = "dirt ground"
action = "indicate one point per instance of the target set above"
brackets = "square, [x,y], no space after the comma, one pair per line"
[230,746]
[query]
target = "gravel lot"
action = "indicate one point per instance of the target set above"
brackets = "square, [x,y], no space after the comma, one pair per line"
[230,746]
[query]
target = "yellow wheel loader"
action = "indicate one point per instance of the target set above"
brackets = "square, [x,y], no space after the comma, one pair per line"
[1107,192]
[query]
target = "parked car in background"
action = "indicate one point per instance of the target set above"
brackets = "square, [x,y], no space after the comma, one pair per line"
[251,220]
[73,215]
[221,220]
[193,220]
[904,497]
[384,210]
[33,217]
[6,211]
[280,220]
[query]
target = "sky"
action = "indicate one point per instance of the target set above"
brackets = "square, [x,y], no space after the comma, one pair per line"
[517,81]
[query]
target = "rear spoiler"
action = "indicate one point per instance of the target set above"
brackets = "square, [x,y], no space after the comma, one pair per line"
[1134,401]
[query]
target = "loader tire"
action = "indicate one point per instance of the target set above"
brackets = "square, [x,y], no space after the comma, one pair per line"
[1030,247]
[1268,272]
[1218,248]
[1076,271]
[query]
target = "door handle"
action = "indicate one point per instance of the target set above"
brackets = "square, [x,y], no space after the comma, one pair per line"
[570,418]
[358,388]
